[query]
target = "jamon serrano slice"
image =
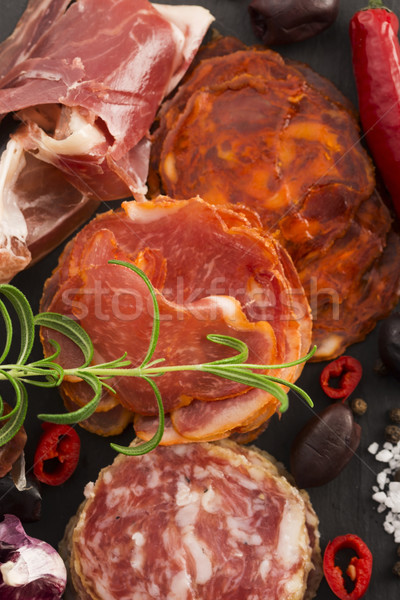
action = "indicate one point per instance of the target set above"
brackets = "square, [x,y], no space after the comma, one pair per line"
[38,210]
[251,128]
[85,78]
[34,22]
[117,95]
[197,521]
[213,273]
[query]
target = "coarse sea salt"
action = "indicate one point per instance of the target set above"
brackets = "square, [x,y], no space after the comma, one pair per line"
[373,448]
[387,492]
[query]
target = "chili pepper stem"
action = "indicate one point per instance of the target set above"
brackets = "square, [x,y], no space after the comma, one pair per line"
[376,4]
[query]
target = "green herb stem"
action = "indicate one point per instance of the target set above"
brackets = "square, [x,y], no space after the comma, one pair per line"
[48,373]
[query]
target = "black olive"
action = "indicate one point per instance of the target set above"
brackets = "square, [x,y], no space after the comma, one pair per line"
[324,446]
[287,21]
[26,504]
[389,343]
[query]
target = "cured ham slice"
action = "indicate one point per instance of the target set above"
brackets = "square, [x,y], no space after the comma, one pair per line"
[38,210]
[200,521]
[85,79]
[249,127]
[205,421]
[116,96]
[240,284]
[34,22]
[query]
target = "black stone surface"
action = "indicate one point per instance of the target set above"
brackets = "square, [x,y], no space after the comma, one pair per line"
[344,505]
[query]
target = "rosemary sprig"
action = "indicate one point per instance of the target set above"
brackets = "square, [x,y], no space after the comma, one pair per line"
[46,372]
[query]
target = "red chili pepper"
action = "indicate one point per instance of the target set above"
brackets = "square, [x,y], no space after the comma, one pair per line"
[348,370]
[376,64]
[59,442]
[361,564]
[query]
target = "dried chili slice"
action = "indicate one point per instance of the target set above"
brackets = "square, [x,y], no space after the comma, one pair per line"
[348,370]
[61,445]
[359,570]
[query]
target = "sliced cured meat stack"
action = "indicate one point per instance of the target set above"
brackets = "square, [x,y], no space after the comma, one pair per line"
[85,79]
[248,127]
[200,521]
[214,272]
[114,99]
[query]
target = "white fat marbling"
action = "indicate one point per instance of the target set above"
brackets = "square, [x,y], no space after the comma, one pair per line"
[180,585]
[147,213]
[264,568]
[201,555]
[185,495]
[187,515]
[138,555]
[12,221]
[291,533]
[239,529]
[210,501]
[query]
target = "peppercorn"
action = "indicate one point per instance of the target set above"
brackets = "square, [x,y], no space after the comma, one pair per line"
[380,368]
[396,477]
[392,434]
[394,415]
[396,568]
[358,406]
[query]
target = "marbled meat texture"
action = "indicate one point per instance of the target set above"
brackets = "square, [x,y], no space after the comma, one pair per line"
[214,273]
[249,127]
[85,79]
[200,521]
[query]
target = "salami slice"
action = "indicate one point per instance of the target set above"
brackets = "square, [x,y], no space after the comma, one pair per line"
[197,521]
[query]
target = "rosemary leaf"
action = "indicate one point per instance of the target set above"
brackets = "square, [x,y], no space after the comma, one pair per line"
[156,311]
[250,379]
[293,387]
[70,329]
[25,317]
[118,363]
[15,418]
[156,439]
[9,330]
[85,411]
[50,359]
[231,342]
[48,373]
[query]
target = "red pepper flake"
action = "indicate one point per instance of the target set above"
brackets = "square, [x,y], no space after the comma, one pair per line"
[348,370]
[61,444]
[360,566]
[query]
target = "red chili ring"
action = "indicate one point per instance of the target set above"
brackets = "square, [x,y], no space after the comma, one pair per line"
[348,370]
[362,564]
[59,442]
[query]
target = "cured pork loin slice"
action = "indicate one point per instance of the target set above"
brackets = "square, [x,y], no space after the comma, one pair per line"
[200,521]
[214,273]
[249,127]
[85,79]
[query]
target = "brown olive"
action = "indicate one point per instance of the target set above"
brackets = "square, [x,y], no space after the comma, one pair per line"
[324,446]
[287,21]
[389,343]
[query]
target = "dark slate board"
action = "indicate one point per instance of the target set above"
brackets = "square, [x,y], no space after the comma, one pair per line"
[344,505]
